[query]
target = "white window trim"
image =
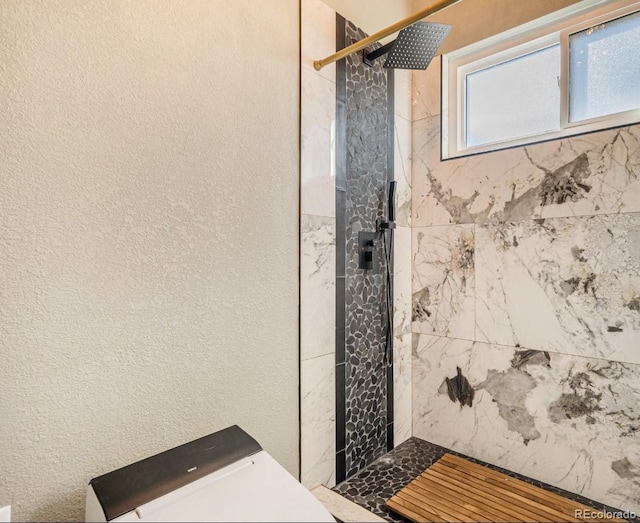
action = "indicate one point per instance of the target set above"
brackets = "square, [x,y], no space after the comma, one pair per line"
[549,30]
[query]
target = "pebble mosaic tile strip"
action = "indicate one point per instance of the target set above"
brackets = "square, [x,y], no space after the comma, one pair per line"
[368,165]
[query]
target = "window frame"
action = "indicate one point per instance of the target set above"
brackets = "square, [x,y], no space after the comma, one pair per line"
[553,29]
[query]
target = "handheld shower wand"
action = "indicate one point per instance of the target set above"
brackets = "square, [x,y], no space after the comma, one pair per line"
[385,227]
[391,209]
[391,203]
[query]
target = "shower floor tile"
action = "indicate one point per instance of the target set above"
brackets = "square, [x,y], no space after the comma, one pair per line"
[374,485]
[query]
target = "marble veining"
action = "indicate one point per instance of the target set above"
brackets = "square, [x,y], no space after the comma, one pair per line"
[403,103]
[317,247]
[318,421]
[597,173]
[568,285]
[402,334]
[402,281]
[458,389]
[443,285]
[402,393]
[317,285]
[402,170]
[570,421]
[545,325]
[317,145]
[426,89]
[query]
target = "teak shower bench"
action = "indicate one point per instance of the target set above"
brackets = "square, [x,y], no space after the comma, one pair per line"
[454,489]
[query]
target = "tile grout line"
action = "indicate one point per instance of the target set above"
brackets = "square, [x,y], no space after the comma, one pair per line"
[521,348]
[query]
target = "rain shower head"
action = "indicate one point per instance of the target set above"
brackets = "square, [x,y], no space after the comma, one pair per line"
[414,48]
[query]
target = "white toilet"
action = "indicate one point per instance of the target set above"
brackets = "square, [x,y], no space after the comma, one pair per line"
[225,476]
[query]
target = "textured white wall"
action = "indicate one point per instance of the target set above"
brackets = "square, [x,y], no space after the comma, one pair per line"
[148,235]
[372,15]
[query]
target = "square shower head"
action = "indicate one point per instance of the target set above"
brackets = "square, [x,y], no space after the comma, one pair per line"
[416,45]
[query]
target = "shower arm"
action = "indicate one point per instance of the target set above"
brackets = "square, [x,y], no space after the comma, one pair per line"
[365,42]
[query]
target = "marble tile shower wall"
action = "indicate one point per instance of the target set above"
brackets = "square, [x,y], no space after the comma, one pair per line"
[318,250]
[526,277]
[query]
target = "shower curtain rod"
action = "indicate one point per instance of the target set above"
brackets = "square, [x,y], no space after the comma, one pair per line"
[434,8]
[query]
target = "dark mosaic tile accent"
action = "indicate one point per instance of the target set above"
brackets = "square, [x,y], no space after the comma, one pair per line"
[374,485]
[341,216]
[367,173]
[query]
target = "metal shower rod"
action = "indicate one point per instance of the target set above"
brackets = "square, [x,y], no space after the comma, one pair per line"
[434,8]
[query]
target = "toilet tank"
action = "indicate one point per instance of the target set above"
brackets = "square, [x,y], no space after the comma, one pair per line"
[225,476]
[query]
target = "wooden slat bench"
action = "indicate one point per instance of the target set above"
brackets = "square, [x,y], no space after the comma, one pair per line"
[454,489]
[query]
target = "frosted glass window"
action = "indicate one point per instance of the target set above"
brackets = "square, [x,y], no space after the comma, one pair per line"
[573,72]
[513,99]
[604,69]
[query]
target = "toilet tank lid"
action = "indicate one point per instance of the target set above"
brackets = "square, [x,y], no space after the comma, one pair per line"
[124,489]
